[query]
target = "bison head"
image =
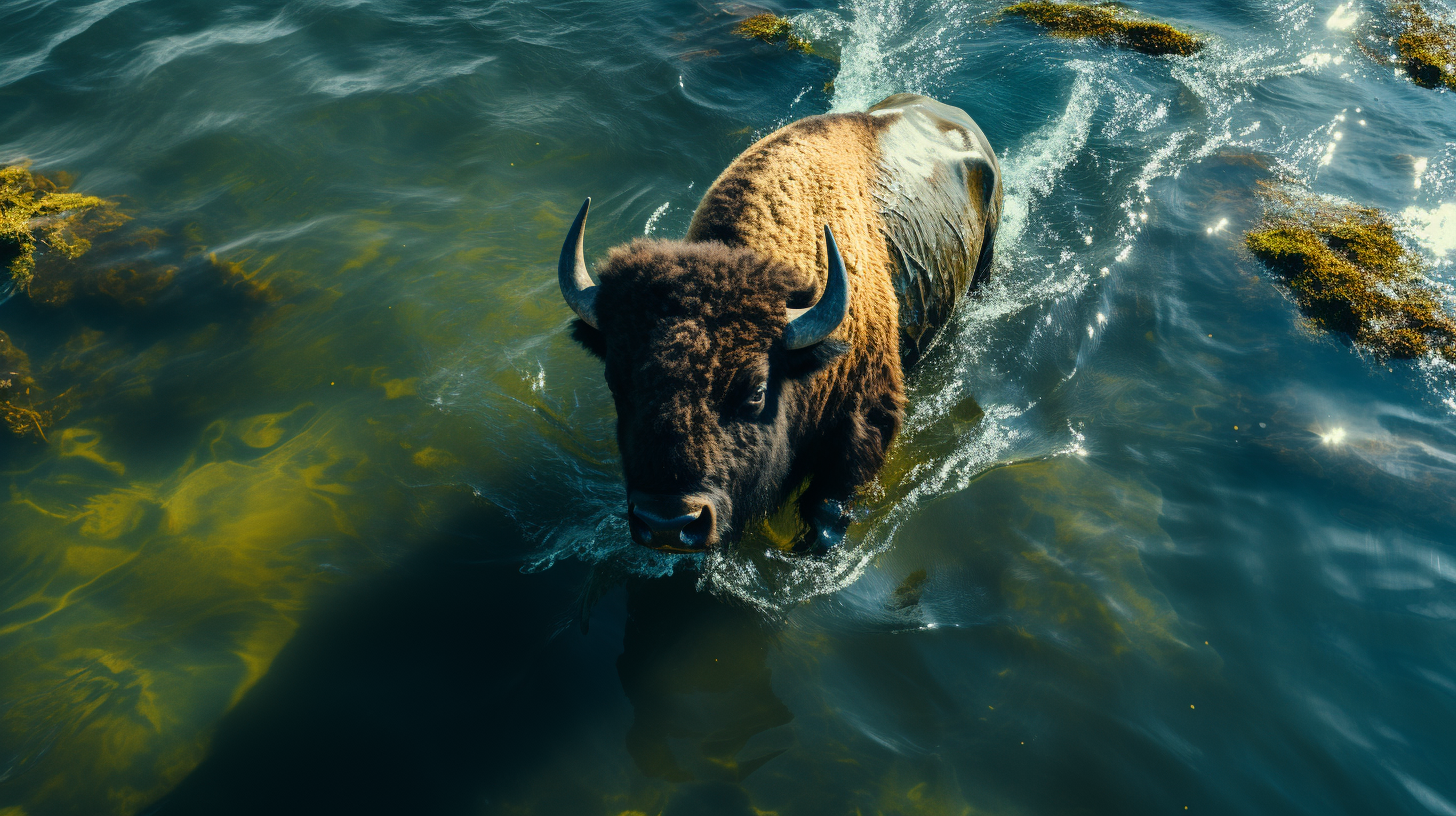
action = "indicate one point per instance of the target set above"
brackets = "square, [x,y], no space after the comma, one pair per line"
[709,369]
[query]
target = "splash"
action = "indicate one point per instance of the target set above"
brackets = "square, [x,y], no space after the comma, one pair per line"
[773,582]
[1032,172]
[1435,228]
[893,46]
[655,217]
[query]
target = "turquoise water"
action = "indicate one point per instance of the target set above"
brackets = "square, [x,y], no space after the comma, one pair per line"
[332,521]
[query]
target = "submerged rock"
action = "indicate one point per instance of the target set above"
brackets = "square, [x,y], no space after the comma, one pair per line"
[1350,274]
[773,29]
[1109,22]
[907,594]
[36,210]
[1427,45]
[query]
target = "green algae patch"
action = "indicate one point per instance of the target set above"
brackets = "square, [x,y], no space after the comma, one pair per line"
[773,29]
[36,211]
[1110,23]
[1350,274]
[1427,45]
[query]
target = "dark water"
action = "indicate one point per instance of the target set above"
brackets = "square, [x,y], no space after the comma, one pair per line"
[322,530]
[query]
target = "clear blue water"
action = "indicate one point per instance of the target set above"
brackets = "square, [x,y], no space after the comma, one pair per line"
[1151,543]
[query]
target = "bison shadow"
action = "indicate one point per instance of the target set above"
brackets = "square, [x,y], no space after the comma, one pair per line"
[451,683]
[427,690]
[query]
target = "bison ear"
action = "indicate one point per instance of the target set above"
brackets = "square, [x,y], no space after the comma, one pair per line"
[590,339]
[810,361]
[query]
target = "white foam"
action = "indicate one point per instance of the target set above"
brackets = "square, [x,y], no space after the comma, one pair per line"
[1030,173]
[883,52]
[653,219]
[782,581]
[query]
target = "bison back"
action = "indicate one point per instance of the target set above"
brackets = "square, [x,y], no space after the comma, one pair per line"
[939,194]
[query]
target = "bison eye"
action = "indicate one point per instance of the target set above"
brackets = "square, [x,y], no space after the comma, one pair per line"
[758,395]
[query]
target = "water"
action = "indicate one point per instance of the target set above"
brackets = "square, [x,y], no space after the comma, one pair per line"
[333,523]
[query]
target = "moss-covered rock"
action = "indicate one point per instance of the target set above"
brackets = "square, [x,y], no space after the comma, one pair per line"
[1427,45]
[772,28]
[1349,273]
[38,211]
[1110,23]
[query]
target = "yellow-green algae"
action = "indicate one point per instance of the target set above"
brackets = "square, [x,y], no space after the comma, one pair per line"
[148,588]
[27,408]
[773,29]
[1349,273]
[142,604]
[1110,23]
[1427,45]
[103,707]
[36,210]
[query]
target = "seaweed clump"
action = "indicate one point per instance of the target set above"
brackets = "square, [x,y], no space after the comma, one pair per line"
[773,29]
[1107,22]
[23,408]
[36,210]
[1350,274]
[1427,46]
[44,229]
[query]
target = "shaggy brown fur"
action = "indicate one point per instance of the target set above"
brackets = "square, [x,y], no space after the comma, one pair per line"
[669,373]
[689,329]
[775,199]
[687,333]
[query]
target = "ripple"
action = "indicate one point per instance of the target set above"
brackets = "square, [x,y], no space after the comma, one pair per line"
[82,19]
[165,50]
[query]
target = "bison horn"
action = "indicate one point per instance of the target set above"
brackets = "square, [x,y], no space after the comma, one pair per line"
[812,325]
[576,285]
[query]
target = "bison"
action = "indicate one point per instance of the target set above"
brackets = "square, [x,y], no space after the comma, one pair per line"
[766,352]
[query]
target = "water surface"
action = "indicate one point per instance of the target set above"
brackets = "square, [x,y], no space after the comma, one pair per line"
[334,525]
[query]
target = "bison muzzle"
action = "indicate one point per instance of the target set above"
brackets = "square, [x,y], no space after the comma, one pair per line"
[765,353]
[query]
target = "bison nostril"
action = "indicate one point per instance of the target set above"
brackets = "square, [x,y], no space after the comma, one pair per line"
[672,523]
[696,533]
